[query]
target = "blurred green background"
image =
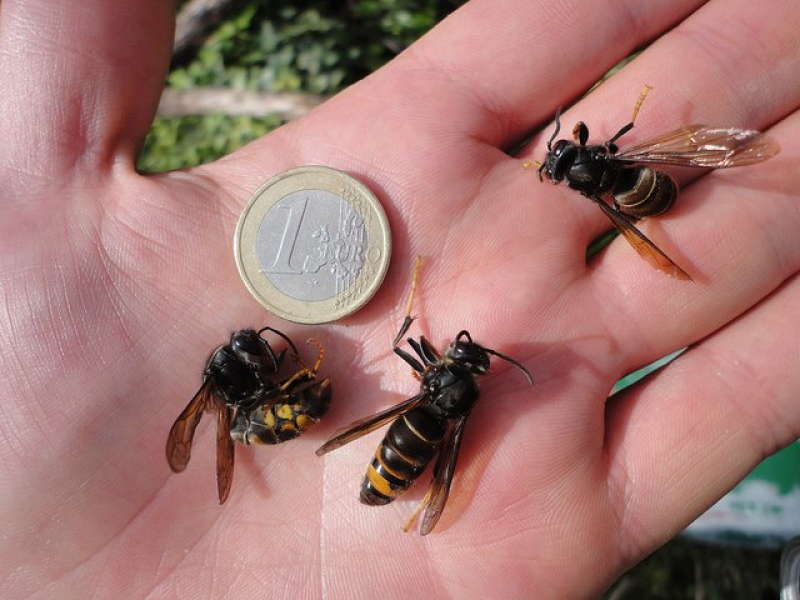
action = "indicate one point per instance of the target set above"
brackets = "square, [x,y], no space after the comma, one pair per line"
[316,48]
[313,49]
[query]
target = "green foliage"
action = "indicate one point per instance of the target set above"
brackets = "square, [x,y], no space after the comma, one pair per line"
[311,46]
[190,141]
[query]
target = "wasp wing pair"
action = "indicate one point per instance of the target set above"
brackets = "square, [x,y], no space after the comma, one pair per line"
[436,497]
[695,145]
[179,441]
[242,379]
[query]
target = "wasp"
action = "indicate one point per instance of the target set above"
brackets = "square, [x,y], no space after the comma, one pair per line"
[427,425]
[242,385]
[603,170]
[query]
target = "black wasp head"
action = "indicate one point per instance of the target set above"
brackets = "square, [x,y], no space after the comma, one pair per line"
[559,160]
[475,358]
[561,155]
[468,355]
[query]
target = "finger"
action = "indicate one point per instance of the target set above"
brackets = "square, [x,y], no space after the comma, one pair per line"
[487,73]
[703,71]
[474,79]
[734,230]
[739,243]
[680,441]
[80,81]
[513,61]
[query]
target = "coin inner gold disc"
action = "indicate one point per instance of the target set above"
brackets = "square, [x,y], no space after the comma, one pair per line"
[312,245]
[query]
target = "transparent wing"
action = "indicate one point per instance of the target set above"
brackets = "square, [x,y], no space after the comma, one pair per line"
[179,441]
[443,471]
[703,146]
[640,242]
[364,426]
[225,453]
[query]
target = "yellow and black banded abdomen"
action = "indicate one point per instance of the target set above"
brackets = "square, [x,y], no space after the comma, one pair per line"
[411,442]
[643,192]
[286,419]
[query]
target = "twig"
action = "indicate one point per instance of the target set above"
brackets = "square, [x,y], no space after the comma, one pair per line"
[196,18]
[207,101]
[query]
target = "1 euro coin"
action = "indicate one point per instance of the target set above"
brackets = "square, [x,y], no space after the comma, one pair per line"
[312,245]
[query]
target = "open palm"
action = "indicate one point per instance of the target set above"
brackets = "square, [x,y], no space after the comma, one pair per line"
[115,288]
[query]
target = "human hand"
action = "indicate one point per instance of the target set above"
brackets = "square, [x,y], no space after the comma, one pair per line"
[116,287]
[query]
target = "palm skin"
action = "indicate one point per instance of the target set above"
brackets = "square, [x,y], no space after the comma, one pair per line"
[117,286]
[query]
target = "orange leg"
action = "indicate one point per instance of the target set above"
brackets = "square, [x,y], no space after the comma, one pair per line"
[320,356]
[645,90]
[304,370]
[531,164]
[413,519]
[409,319]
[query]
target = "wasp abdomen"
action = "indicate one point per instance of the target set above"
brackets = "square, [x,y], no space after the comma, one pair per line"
[283,421]
[644,192]
[409,445]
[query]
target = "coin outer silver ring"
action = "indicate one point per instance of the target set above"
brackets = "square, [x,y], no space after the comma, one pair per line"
[376,254]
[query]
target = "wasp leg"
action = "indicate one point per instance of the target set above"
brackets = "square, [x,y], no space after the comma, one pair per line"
[425,350]
[639,101]
[415,364]
[531,163]
[413,519]
[304,371]
[320,356]
[408,319]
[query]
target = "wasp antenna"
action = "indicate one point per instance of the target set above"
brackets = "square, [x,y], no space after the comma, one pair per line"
[465,333]
[279,333]
[558,128]
[516,363]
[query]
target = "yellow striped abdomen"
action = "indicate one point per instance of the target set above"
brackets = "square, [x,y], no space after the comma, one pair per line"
[411,442]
